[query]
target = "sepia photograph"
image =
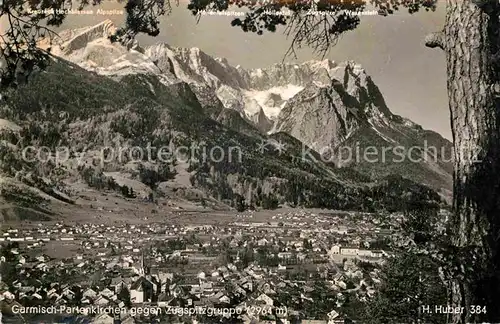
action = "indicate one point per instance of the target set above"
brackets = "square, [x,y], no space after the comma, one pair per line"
[247,161]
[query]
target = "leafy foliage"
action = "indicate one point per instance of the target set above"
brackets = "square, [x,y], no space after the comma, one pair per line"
[151,177]
[124,296]
[22,197]
[8,267]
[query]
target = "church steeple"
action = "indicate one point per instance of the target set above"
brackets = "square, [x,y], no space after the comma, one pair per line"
[142,271]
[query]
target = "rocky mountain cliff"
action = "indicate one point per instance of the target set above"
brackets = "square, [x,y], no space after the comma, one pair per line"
[102,94]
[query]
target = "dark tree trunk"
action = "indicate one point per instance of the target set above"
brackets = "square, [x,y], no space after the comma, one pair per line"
[471,43]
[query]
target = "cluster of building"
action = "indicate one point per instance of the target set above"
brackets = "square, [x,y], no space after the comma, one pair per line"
[246,270]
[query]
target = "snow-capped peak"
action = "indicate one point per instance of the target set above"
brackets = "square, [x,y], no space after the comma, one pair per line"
[263,90]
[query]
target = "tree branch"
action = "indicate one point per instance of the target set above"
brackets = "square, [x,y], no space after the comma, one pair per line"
[434,40]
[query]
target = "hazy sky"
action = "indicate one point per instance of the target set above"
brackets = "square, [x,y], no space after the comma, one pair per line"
[411,76]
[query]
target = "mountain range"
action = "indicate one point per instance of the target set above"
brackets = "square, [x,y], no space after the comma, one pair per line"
[316,134]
